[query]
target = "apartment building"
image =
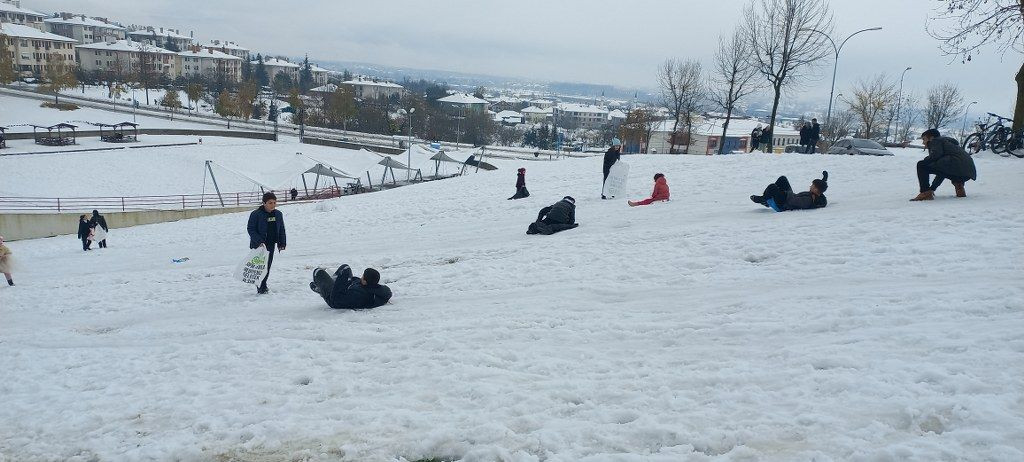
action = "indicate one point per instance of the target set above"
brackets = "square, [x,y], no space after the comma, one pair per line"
[276,66]
[580,115]
[199,61]
[230,48]
[320,74]
[125,57]
[370,89]
[536,115]
[463,102]
[160,37]
[83,29]
[33,49]
[11,11]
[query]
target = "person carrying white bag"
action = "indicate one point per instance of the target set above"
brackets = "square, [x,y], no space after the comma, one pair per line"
[266,231]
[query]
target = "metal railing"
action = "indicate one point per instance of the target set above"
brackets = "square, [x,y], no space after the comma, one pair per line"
[168,202]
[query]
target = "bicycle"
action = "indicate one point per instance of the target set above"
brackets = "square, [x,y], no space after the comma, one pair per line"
[1014,144]
[987,135]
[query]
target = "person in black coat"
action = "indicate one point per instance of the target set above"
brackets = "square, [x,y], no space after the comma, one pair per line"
[610,158]
[346,292]
[266,229]
[85,232]
[815,136]
[755,139]
[766,139]
[98,220]
[805,137]
[555,218]
[780,197]
[521,191]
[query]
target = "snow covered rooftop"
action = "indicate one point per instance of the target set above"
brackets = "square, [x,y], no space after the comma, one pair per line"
[125,45]
[536,110]
[83,21]
[165,32]
[20,31]
[617,114]
[316,68]
[225,45]
[582,108]
[462,98]
[208,54]
[279,63]
[11,8]
[371,83]
[329,88]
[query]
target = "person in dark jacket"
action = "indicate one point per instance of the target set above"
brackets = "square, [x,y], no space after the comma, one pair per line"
[779,196]
[805,137]
[266,229]
[98,220]
[521,191]
[610,158]
[85,232]
[766,139]
[345,292]
[294,193]
[946,159]
[555,218]
[755,139]
[815,136]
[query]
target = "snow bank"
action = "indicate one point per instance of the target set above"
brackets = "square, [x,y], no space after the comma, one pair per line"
[707,328]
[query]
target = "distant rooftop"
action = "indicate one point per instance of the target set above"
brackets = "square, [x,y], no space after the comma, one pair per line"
[11,8]
[371,83]
[124,45]
[462,98]
[207,53]
[20,31]
[81,20]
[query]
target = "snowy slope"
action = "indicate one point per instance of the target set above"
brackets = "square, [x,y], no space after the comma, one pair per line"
[707,328]
[16,113]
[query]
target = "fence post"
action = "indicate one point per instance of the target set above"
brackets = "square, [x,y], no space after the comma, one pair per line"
[238,201]
[122,204]
[58,204]
[183,202]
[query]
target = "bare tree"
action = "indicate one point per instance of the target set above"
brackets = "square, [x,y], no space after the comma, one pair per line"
[7,72]
[945,103]
[681,91]
[838,127]
[783,43]
[965,27]
[732,78]
[907,117]
[870,99]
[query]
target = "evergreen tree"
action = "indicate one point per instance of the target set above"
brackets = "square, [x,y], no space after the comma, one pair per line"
[261,72]
[543,137]
[346,76]
[305,76]
[272,113]
[246,70]
[282,83]
[7,72]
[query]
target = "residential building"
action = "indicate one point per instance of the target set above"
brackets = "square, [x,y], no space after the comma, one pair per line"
[706,136]
[200,62]
[33,49]
[536,115]
[463,102]
[276,66]
[366,89]
[230,48]
[507,103]
[542,103]
[161,37]
[580,115]
[508,118]
[12,12]
[83,29]
[324,90]
[122,58]
[320,75]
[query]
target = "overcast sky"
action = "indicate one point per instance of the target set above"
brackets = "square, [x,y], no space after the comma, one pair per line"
[620,43]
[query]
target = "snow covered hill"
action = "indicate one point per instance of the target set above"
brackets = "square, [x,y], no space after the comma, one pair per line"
[707,328]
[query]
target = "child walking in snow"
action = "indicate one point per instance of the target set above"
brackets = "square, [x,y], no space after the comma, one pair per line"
[660,193]
[521,191]
[6,262]
[85,232]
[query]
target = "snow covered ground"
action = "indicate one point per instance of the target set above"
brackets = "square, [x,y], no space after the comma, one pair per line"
[707,328]
[17,113]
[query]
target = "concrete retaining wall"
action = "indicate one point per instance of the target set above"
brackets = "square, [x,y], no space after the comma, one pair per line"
[350,145]
[15,226]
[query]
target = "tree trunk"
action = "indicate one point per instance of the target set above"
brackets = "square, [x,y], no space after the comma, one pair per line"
[775,113]
[672,137]
[1018,111]
[725,129]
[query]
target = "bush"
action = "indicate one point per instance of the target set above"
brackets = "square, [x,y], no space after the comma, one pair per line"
[60,106]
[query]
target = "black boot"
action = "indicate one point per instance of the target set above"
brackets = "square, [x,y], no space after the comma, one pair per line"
[312,286]
[10,282]
[263,289]
[758,199]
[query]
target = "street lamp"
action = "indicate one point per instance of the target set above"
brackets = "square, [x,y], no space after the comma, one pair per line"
[899,103]
[408,172]
[963,130]
[835,68]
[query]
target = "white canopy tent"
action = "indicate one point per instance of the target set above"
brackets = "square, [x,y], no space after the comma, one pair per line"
[286,175]
[390,165]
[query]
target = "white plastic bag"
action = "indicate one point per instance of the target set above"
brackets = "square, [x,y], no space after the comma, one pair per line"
[99,234]
[254,268]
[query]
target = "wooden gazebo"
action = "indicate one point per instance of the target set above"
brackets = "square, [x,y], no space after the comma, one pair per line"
[60,139]
[124,132]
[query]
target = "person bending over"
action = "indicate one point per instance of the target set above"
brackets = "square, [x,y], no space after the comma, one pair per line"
[779,196]
[342,291]
[660,193]
[946,159]
[554,218]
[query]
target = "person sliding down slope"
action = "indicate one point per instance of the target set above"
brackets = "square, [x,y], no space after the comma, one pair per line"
[660,193]
[779,196]
[521,191]
[555,218]
[345,292]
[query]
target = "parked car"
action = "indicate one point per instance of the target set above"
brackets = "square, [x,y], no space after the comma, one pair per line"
[859,147]
[795,148]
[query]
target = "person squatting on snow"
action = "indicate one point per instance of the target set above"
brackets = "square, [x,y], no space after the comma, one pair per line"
[521,191]
[660,193]
[610,158]
[555,218]
[98,220]
[85,232]
[266,229]
[946,159]
[780,197]
[6,262]
[345,292]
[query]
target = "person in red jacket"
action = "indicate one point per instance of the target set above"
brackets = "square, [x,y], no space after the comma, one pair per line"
[660,193]
[521,191]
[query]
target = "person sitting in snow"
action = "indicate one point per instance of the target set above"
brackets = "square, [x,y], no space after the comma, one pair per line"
[6,262]
[946,159]
[554,218]
[521,191]
[346,292]
[780,197]
[660,193]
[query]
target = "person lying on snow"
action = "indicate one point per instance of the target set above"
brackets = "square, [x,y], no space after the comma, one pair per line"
[660,193]
[345,292]
[555,218]
[946,159]
[779,196]
[521,191]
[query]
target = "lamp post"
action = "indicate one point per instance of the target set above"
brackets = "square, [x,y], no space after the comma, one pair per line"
[835,68]
[408,172]
[963,130]
[899,103]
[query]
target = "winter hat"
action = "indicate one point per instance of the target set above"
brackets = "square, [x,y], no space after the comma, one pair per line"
[522,170]
[932,132]
[616,142]
[371,276]
[821,184]
[569,199]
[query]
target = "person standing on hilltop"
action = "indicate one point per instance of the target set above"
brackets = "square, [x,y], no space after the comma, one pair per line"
[266,229]
[610,158]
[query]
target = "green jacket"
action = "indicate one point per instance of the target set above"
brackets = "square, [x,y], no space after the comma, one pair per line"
[945,156]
